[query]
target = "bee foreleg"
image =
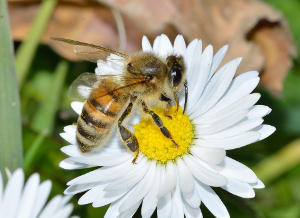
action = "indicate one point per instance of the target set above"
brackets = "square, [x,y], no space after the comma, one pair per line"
[158,122]
[185,96]
[169,103]
[177,101]
[128,137]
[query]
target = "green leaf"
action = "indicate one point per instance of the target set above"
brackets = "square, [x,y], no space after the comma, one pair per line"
[45,116]
[279,163]
[27,49]
[11,153]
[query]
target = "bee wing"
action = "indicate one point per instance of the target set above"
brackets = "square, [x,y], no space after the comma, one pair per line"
[88,51]
[90,85]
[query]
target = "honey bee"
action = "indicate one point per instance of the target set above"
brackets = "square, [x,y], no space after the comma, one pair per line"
[147,79]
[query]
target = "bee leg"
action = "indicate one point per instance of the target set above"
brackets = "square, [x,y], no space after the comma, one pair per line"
[159,123]
[177,101]
[185,96]
[128,137]
[168,107]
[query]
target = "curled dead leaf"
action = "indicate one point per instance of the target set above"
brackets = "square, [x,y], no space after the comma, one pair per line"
[253,29]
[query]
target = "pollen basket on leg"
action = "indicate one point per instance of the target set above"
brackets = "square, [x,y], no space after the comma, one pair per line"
[155,145]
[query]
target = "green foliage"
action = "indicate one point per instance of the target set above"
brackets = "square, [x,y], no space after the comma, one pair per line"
[46,106]
[11,155]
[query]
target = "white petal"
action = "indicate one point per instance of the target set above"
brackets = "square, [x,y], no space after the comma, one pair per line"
[104,160]
[236,170]
[69,164]
[164,206]
[189,55]
[113,210]
[241,104]
[104,174]
[12,194]
[230,97]
[150,200]
[209,155]
[240,79]
[215,88]
[185,177]
[41,197]
[77,106]
[194,69]
[190,212]
[217,60]
[92,194]
[238,188]
[203,174]
[232,142]
[177,204]
[141,190]
[130,212]
[192,199]
[259,184]
[165,46]
[146,44]
[156,44]
[236,129]
[105,69]
[71,130]
[258,111]
[68,138]
[29,196]
[129,180]
[51,207]
[170,180]
[105,198]
[75,189]
[71,150]
[212,201]
[64,212]
[222,124]
[179,46]
[265,131]
[203,72]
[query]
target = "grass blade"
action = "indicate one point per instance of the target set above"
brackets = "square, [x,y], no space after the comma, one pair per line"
[279,163]
[27,49]
[45,117]
[11,154]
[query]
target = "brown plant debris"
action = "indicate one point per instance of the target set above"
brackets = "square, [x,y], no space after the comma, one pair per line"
[254,30]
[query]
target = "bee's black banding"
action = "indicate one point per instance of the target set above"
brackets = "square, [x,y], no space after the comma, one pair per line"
[111,94]
[85,133]
[104,110]
[92,120]
[82,146]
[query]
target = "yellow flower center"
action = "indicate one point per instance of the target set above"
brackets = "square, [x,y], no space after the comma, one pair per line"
[158,147]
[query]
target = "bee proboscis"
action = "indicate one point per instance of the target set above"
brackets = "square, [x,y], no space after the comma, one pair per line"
[146,79]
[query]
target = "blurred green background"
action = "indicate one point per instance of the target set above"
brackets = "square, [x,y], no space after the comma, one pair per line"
[45,110]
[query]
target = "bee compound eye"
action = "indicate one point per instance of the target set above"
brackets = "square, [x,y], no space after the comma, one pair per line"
[176,76]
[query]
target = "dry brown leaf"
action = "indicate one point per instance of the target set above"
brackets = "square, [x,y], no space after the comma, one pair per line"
[253,29]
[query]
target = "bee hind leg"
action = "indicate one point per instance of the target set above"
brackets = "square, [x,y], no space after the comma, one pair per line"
[126,135]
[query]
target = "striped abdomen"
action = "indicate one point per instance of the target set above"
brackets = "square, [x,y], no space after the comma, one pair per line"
[96,122]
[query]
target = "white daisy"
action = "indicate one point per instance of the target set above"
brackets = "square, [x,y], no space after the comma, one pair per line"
[221,116]
[19,201]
